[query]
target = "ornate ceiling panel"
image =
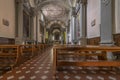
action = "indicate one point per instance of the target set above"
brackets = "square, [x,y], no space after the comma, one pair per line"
[53,11]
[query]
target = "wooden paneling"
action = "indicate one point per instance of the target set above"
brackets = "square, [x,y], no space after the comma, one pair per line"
[96,40]
[93,41]
[116,38]
[7,40]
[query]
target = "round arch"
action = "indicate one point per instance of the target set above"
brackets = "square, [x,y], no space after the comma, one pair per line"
[55,22]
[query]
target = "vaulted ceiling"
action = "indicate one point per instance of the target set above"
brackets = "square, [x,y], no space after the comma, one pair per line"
[54,10]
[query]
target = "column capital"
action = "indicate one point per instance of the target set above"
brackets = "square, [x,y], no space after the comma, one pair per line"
[73,11]
[34,12]
[83,1]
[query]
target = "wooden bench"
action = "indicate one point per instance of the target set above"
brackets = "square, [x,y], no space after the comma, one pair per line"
[86,51]
[15,55]
[30,51]
[43,47]
[9,55]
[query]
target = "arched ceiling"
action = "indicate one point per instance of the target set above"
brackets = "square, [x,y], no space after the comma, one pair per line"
[55,27]
[56,12]
[56,30]
[54,9]
[52,23]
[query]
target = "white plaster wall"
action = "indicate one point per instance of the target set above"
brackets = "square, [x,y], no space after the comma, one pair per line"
[7,11]
[93,13]
[117,15]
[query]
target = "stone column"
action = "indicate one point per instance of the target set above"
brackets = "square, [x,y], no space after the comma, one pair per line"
[67,36]
[77,29]
[71,30]
[62,33]
[19,38]
[83,40]
[37,28]
[106,25]
[32,28]
[49,36]
[73,26]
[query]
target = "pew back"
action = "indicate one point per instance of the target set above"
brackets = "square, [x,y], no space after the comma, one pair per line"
[9,55]
[81,56]
[15,55]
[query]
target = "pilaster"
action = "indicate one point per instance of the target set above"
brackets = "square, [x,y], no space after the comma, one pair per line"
[83,40]
[106,29]
[19,38]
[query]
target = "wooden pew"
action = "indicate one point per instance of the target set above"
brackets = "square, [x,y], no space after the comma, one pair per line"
[9,55]
[44,47]
[86,51]
[36,50]
[30,51]
[14,55]
[27,52]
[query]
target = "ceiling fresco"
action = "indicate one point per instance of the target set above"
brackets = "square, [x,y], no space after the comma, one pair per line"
[54,10]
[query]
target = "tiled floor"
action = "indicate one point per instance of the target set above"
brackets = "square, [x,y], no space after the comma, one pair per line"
[89,73]
[40,68]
